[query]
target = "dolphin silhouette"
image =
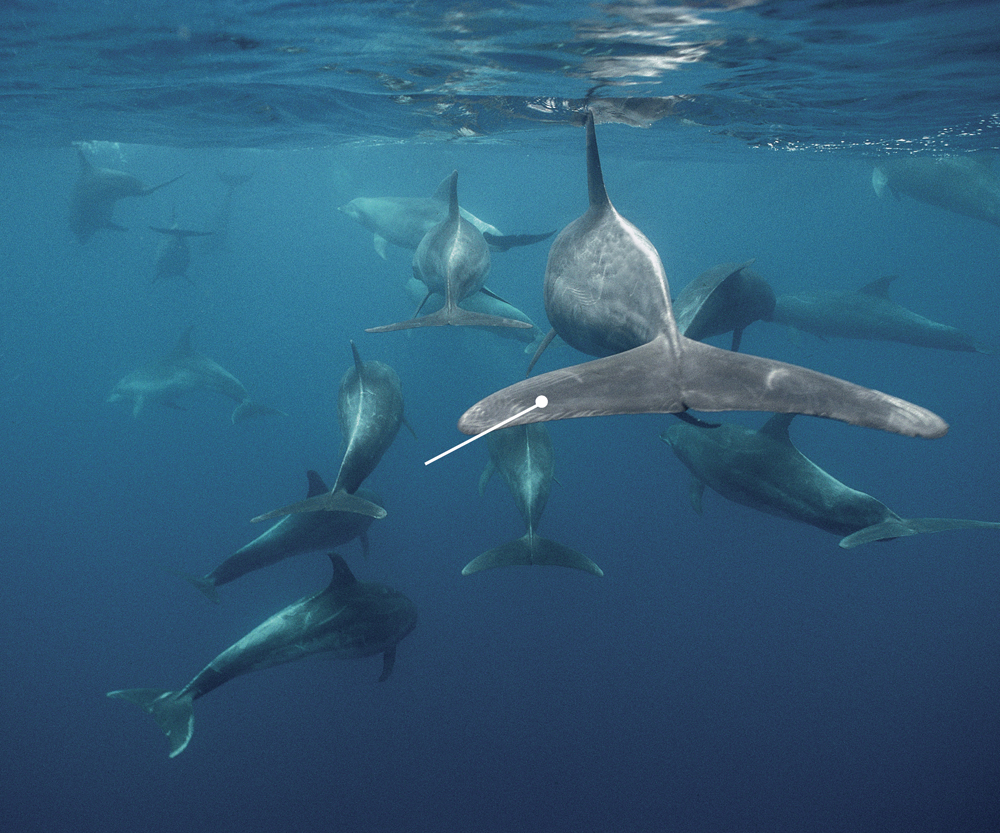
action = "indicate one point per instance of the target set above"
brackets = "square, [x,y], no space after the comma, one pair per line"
[173,256]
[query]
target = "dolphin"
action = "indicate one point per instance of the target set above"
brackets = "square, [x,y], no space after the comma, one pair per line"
[292,535]
[404,221]
[180,372]
[726,298]
[523,456]
[869,313]
[606,294]
[370,412]
[961,184]
[349,619]
[763,470]
[92,202]
[174,254]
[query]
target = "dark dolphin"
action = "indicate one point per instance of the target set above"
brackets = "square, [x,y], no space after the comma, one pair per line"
[173,255]
[349,619]
[606,294]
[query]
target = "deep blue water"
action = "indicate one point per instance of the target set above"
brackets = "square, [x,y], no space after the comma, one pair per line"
[730,672]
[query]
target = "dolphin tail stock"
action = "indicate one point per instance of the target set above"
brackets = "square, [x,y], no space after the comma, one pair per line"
[203,583]
[503,242]
[338,500]
[171,710]
[247,409]
[452,315]
[901,527]
[528,550]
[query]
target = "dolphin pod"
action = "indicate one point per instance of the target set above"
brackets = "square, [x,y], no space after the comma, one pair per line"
[606,294]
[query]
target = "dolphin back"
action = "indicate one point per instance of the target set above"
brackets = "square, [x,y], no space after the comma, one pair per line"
[901,527]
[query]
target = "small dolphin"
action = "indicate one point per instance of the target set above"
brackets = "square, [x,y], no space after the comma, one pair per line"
[606,294]
[763,470]
[292,535]
[726,298]
[92,202]
[349,619]
[370,412]
[523,456]
[180,372]
[871,314]
[961,184]
[173,256]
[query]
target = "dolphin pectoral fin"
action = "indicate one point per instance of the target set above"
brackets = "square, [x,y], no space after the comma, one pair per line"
[380,244]
[696,492]
[545,342]
[454,316]
[503,242]
[901,527]
[247,409]
[171,710]
[422,303]
[338,501]
[137,406]
[737,338]
[531,550]
[388,662]
[409,427]
[484,478]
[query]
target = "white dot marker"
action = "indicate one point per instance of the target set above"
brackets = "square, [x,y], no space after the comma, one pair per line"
[540,402]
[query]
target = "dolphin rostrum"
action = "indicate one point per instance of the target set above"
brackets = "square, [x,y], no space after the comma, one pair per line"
[763,470]
[180,372]
[349,619]
[173,256]
[292,535]
[606,294]
[523,456]
[869,313]
[92,203]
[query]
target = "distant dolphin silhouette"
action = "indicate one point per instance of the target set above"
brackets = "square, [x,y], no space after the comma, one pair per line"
[870,314]
[349,619]
[92,202]
[180,372]
[763,470]
[606,294]
[523,456]
[173,256]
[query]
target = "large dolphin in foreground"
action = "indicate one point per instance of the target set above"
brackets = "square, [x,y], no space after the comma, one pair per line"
[763,470]
[523,456]
[961,184]
[370,413]
[292,535]
[92,203]
[869,313]
[349,619]
[180,372]
[606,294]
[173,255]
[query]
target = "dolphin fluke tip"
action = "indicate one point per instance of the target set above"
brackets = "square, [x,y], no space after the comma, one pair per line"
[171,710]
[531,550]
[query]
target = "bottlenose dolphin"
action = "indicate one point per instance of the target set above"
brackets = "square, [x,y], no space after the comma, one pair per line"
[452,260]
[92,202]
[726,298]
[292,535]
[961,184]
[523,456]
[606,294]
[349,619]
[173,256]
[370,412]
[871,314]
[404,221]
[180,372]
[763,470]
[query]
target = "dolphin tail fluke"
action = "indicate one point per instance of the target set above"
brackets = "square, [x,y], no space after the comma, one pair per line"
[454,316]
[171,710]
[336,501]
[247,409]
[503,242]
[205,585]
[531,549]
[901,527]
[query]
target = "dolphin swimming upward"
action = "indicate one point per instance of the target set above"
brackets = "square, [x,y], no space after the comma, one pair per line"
[763,470]
[349,619]
[606,294]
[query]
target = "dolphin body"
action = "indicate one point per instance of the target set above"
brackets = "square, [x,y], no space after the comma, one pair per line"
[92,203]
[871,314]
[523,456]
[349,619]
[763,470]
[606,294]
[183,371]
[292,535]
[173,256]
[370,412]
[961,184]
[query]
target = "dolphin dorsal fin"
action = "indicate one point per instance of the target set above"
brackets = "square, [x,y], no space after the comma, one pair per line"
[777,427]
[342,575]
[595,179]
[85,164]
[443,192]
[879,288]
[358,364]
[316,484]
[453,197]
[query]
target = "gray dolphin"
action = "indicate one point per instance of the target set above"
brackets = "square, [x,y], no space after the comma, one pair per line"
[763,470]
[349,619]
[292,535]
[173,255]
[606,294]
[183,371]
[871,314]
[370,412]
[523,456]
[961,184]
[92,203]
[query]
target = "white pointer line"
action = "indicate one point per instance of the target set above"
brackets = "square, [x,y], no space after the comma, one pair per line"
[540,402]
